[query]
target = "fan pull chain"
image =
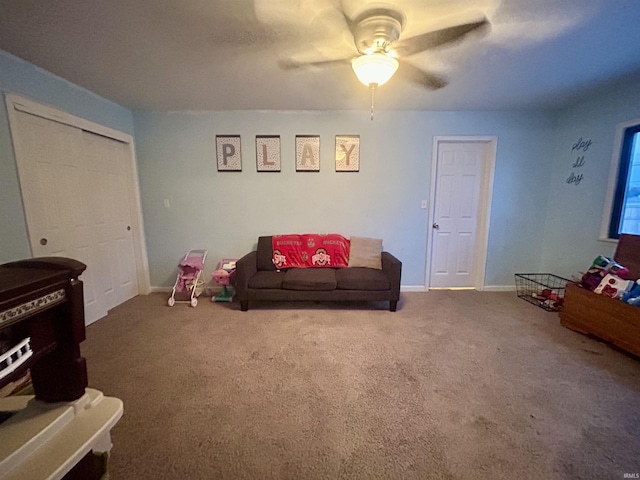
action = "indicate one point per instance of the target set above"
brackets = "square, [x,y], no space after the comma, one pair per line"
[373,90]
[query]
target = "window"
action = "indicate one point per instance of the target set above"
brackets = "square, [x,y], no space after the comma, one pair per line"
[625,211]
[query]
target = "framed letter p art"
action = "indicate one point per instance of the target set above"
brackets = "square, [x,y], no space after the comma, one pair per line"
[228,153]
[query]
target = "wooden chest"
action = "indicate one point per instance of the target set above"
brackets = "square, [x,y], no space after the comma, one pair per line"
[603,317]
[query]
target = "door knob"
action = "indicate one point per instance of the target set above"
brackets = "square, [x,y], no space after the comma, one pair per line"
[128,227]
[43,241]
[436,226]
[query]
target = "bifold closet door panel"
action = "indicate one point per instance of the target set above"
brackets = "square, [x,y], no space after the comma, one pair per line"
[75,198]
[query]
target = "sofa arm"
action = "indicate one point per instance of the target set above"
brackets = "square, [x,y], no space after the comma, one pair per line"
[246,267]
[392,267]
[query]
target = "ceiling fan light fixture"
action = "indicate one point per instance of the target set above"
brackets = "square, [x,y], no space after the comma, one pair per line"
[374,69]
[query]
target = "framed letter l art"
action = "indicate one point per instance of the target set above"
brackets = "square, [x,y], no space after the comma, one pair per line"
[268,153]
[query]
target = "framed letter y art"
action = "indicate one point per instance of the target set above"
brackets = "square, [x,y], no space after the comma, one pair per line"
[268,153]
[307,153]
[347,153]
[228,153]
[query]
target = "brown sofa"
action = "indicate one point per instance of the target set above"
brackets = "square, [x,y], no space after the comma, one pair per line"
[257,279]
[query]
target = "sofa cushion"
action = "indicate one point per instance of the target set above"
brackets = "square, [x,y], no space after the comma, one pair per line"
[309,279]
[366,252]
[266,279]
[361,278]
[264,259]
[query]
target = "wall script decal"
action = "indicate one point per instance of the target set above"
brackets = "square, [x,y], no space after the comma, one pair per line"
[580,147]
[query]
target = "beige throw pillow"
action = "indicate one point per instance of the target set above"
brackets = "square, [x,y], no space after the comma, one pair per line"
[365,252]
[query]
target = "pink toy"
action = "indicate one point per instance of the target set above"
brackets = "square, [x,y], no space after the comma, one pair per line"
[189,278]
[619,270]
[223,276]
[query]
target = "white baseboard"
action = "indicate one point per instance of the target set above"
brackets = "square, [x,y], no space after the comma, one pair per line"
[413,288]
[161,289]
[500,288]
[487,288]
[403,288]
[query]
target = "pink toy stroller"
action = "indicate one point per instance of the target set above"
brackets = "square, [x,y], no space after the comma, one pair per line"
[190,277]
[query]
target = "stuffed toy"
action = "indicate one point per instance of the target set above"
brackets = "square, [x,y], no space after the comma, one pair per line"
[610,266]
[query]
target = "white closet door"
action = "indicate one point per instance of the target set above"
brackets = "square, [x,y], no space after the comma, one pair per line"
[110,216]
[49,161]
[74,194]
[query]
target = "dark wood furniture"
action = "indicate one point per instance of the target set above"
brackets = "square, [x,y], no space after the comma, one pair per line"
[52,434]
[42,299]
[609,319]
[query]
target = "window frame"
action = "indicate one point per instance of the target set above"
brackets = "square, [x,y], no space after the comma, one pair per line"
[618,177]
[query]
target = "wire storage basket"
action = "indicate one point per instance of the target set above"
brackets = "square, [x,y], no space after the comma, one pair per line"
[545,290]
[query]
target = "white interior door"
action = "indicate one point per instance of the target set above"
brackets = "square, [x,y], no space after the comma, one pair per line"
[456,213]
[76,204]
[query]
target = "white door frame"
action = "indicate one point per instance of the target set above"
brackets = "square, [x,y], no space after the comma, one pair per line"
[484,214]
[18,103]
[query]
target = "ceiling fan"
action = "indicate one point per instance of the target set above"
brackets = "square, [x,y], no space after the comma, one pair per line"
[376,34]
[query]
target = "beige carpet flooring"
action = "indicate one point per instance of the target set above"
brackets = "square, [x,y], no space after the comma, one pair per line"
[455,385]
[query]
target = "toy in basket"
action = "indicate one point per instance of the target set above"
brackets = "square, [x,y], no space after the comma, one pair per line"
[222,276]
[189,277]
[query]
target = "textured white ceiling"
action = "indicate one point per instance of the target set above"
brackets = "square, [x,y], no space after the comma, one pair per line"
[223,54]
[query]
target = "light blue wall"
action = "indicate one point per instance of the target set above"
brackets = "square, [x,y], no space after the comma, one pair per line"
[20,77]
[532,227]
[574,212]
[225,212]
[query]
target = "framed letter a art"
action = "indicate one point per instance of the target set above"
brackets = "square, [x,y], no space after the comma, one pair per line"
[228,153]
[307,153]
[268,153]
[347,153]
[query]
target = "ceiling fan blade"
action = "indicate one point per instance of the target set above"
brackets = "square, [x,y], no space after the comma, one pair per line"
[350,23]
[432,81]
[290,64]
[410,46]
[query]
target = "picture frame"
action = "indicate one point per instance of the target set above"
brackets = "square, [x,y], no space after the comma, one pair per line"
[347,153]
[229,153]
[307,153]
[268,153]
